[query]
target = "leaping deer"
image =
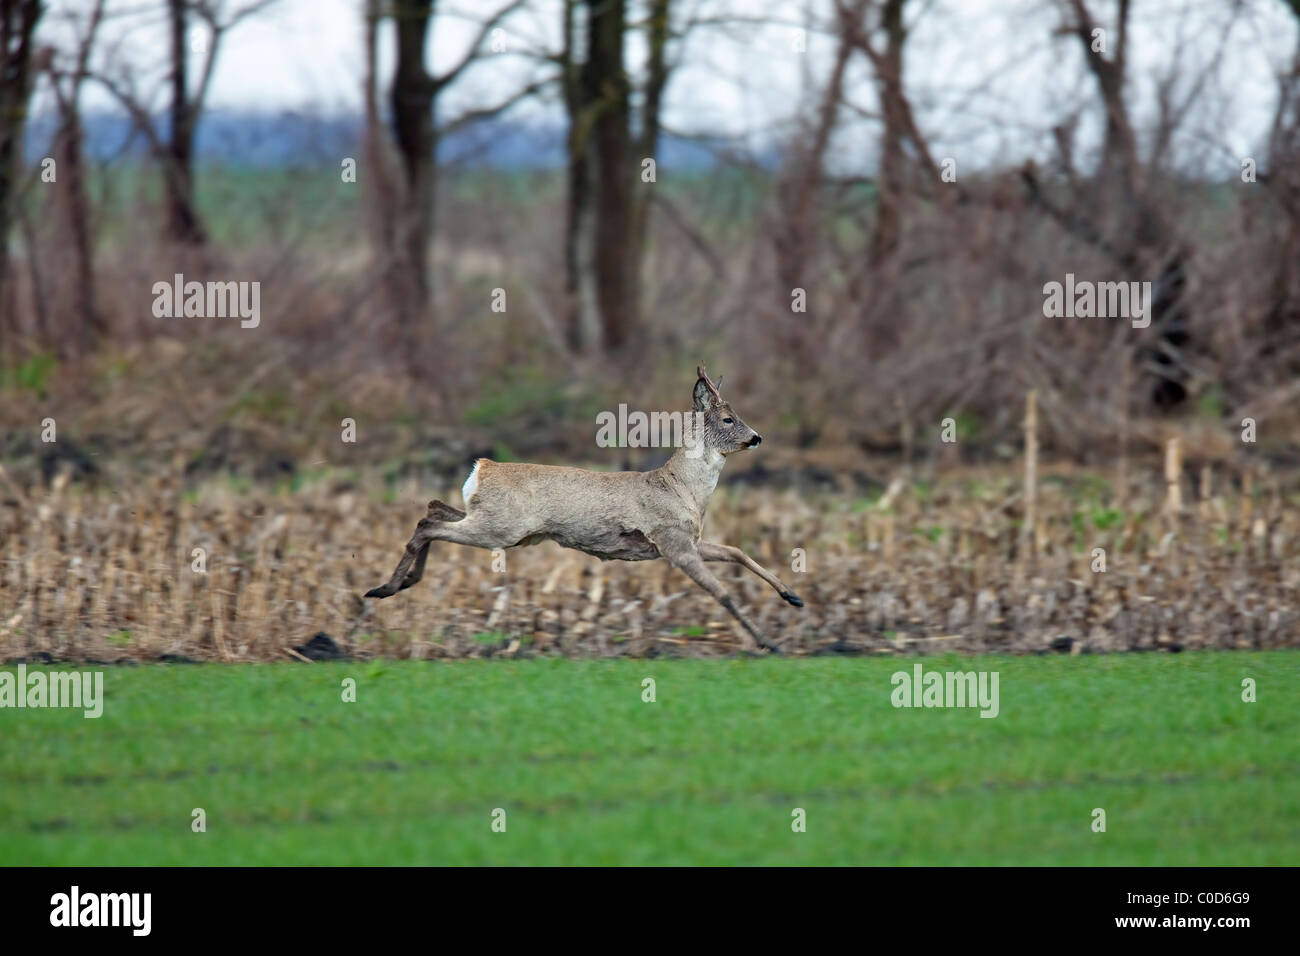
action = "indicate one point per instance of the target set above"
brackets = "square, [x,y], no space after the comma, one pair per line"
[618,516]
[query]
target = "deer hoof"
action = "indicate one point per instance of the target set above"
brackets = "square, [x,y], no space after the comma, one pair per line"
[792,598]
[381,592]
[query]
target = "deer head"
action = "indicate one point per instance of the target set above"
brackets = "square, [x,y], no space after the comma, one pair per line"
[724,431]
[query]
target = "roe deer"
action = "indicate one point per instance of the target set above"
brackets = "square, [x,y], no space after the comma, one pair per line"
[624,516]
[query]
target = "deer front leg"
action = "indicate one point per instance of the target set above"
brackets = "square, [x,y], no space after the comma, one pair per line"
[725,552]
[683,554]
[411,567]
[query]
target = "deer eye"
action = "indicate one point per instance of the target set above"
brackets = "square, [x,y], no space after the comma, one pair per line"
[728,421]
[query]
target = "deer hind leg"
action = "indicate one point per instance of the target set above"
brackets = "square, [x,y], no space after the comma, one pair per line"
[411,567]
[725,552]
[683,554]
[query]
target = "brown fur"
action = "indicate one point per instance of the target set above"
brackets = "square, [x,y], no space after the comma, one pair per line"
[623,516]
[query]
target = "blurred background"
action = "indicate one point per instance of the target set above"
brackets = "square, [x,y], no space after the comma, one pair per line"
[476,225]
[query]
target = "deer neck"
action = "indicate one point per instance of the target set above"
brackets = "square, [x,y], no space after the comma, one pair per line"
[695,478]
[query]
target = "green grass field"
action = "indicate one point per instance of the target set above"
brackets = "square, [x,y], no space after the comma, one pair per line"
[410,773]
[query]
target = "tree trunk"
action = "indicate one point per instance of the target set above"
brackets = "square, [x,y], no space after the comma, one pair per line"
[413,95]
[88,319]
[1282,321]
[380,190]
[893,162]
[584,327]
[647,146]
[17,27]
[607,86]
[601,248]
[183,223]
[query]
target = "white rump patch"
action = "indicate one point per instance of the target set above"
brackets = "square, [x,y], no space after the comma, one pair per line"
[471,485]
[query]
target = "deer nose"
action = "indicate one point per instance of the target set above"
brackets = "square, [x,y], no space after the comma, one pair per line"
[756,440]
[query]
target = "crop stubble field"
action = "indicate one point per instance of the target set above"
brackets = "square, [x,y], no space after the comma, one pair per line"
[112,574]
[710,772]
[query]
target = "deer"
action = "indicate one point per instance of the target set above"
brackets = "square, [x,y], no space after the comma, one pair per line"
[614,516]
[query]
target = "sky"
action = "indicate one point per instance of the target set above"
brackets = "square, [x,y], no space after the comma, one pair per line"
[986,77]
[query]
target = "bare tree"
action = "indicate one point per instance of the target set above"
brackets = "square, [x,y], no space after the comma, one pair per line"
[73,199]
[413,95]
[899,128]
[803,173]
[607,216]
[176,150]
[658,31]
[17,29]
[1283,183]
[1120,214]
[584,325]
[182,217]
[416,131]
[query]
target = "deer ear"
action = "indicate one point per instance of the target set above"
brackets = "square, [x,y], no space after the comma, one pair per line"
[703,396]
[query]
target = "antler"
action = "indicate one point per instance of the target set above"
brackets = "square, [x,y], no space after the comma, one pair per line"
[699,369]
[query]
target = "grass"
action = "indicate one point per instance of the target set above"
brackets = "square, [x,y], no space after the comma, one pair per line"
[709,773]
